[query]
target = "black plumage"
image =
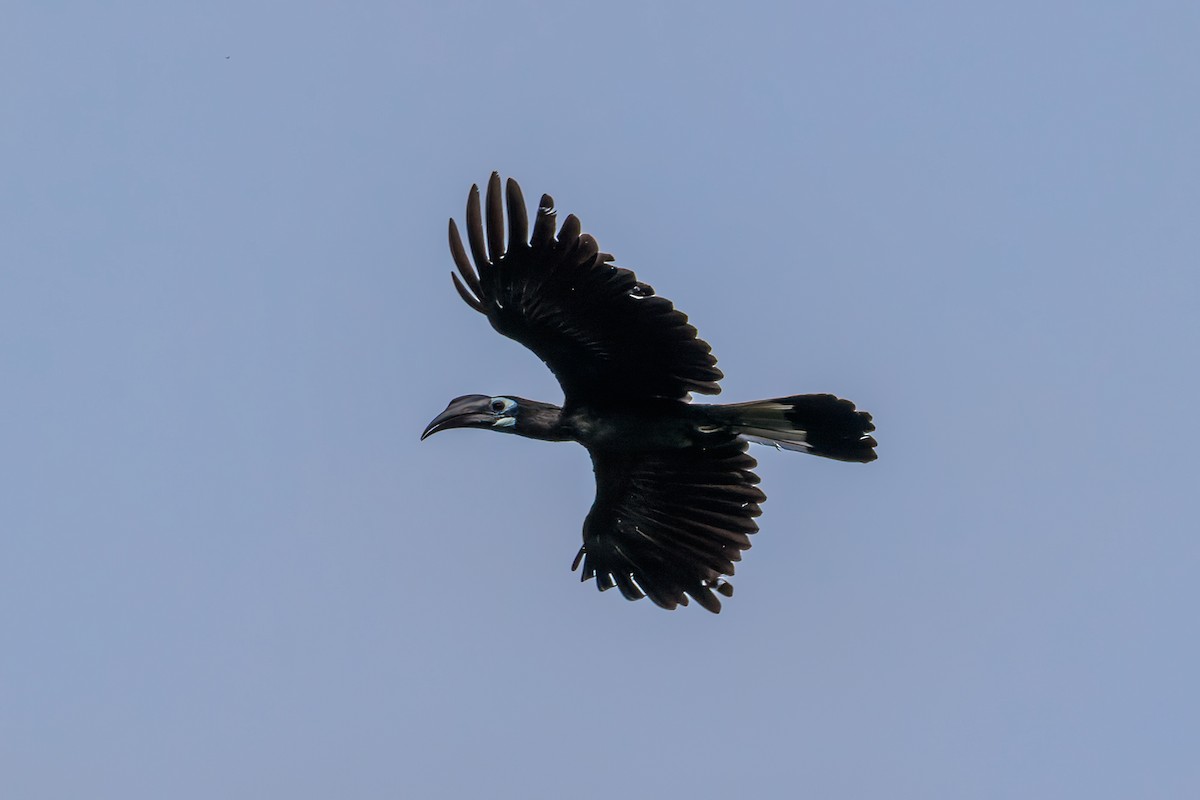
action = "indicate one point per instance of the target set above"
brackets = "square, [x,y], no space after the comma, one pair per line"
[676,495]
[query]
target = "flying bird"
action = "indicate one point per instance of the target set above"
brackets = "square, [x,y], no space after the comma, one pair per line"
[676,493]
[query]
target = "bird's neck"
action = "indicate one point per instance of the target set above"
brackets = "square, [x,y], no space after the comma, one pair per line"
[541,421]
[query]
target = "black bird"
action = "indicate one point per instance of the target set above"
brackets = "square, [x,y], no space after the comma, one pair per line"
[676,496]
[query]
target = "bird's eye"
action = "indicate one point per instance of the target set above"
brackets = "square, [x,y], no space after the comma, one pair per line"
[497,405]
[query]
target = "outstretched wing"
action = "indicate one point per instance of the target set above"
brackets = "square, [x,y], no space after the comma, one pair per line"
[603,333]
[670,523]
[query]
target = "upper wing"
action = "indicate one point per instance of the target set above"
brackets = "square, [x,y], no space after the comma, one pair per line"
[603,333]
[668,524]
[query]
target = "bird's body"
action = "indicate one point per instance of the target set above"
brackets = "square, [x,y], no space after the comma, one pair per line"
[650,425]
[676,496]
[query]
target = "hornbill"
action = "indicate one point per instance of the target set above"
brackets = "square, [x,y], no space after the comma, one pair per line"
[676,495]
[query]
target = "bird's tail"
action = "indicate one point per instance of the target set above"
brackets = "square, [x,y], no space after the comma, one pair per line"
[820,424]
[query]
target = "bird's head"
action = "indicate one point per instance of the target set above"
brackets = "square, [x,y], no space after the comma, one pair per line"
[477,411]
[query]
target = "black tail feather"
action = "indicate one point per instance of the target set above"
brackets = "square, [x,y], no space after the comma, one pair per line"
[820,424]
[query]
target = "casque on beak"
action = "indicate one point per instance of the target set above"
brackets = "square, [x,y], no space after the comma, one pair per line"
[468,411]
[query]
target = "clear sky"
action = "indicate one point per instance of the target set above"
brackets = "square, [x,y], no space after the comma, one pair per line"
[228,568]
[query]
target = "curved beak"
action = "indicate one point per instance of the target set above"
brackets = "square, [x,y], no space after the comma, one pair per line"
[469,411]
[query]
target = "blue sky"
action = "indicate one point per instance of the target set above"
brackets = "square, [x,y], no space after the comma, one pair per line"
[228,568]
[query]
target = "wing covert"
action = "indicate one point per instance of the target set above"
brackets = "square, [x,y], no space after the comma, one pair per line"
[603,333]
